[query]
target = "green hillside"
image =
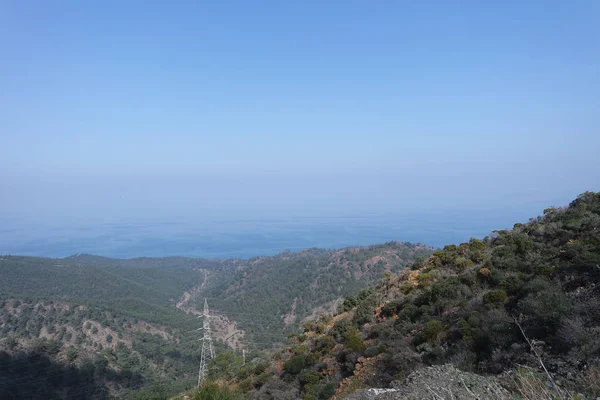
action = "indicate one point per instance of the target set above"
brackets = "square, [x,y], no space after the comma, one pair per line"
[270,296]
[133,320]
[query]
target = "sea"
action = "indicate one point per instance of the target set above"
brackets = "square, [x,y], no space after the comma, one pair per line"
[239,237]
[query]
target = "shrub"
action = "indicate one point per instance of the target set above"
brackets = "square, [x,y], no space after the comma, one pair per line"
[214,391]
[324,343]
[463,263]
[260,368]
[71,353]
[321,366]
[476,244]
[466,331]
[433,354]
[424,278]
[377,330]
[339,329]
[546,271]
[484,273]
[419,263]
[308,376]
[494,297]
[479,257]
[523,243]
[467,279]
[372,351]
[353,340]
[435,260]
[295,364]
[547,308]
[261,379]
[391,308]
[406,287]
[512,284]
[327,391]
[246,385]
[348,304]
[411,313]
[432,329]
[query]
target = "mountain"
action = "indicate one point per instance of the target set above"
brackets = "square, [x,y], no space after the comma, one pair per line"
[514,315]
[269,297]
[131,324]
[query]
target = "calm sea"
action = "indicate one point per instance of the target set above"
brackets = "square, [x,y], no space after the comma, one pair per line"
[243,238]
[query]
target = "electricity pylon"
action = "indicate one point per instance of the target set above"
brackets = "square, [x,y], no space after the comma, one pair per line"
[207,347]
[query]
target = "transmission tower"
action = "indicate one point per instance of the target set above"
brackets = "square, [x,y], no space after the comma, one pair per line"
[207,347]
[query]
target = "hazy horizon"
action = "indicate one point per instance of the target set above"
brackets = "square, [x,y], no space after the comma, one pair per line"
[230,237]
[134,113]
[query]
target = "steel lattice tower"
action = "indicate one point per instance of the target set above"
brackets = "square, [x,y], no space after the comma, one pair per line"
[207,347]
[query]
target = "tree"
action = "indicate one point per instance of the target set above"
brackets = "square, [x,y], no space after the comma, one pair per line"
[71,354]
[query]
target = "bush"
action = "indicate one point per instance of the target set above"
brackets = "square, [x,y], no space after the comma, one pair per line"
[324,343]
[246,385]
[339,329]
[412,313]
[295,364]
[406,287]
[353,340]
[391,308]
[466,331]
[547,308]
[71,354]
[484,274]
[320,391]
[512,284]
[260,368]
[348,304]
[308,376]
[476,244]
[424,278]
[432,329]
[494,297]
[372,351]
[463,263]
[261,379]
[214,391]
[377,330]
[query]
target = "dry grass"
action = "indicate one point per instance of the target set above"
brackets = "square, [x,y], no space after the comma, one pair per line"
[591,379]
[531,385]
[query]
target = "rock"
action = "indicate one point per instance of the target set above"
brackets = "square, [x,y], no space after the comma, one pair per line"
[438,382]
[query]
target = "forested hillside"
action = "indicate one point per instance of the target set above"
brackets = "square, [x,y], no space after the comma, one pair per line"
[521,305]
[128,327]
[270,297]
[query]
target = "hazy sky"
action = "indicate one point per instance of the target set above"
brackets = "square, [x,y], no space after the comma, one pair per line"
[157,108]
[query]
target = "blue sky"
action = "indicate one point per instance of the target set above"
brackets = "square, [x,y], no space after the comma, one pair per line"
[148,109]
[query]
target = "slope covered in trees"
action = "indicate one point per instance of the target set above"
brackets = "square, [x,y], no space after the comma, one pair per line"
[270,297]
[525,300]
[134,320]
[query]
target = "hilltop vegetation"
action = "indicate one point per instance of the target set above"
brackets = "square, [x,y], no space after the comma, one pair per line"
[517,300]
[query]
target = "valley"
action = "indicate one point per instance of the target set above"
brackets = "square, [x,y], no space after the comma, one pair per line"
[138,317]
